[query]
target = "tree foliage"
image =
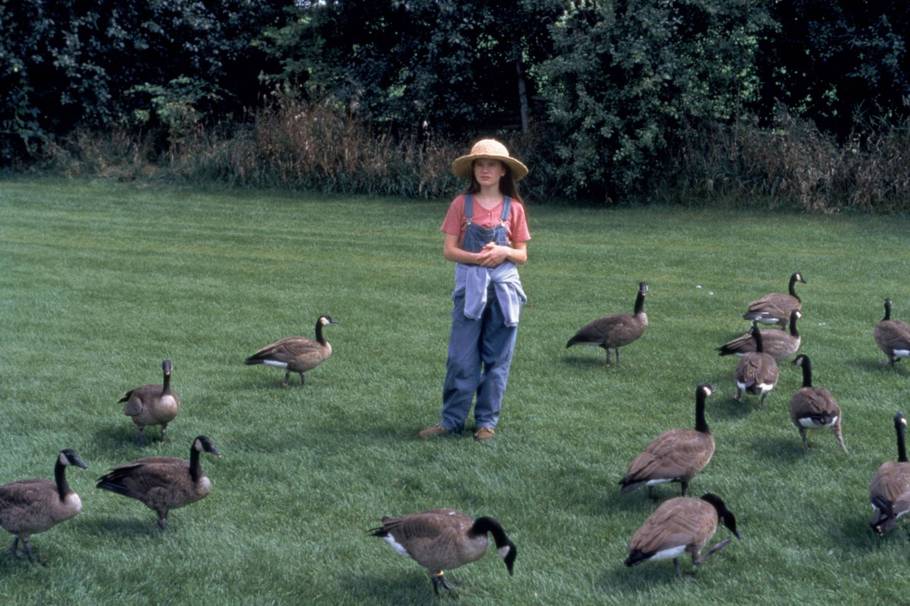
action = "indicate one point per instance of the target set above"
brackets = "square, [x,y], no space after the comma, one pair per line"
[838,62]
[69,64]
[452,65]
[628,78]
[608,88]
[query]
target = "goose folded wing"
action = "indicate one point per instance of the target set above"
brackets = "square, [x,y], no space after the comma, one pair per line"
[23,495]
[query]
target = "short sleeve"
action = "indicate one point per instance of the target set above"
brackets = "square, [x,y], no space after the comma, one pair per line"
[454,219]
[518,223]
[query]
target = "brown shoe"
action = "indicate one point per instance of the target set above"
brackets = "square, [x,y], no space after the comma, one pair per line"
[432,432]
[484,433]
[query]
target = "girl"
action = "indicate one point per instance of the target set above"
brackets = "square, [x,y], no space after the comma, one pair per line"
[486,235]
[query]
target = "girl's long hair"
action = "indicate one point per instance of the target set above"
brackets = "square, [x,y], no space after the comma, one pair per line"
[507,185]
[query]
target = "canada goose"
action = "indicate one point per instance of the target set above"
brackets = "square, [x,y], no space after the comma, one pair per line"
[776,307]
[757,372]
[814,407]
[892,336]
[442,539]
[296,354]
[152,404]
[681,525]
[163,483]
[676,455]
[889,491]
[616,330]
[778,343]
[28,507]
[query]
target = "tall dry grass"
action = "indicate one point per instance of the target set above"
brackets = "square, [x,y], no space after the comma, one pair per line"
[793,163]
[321,147]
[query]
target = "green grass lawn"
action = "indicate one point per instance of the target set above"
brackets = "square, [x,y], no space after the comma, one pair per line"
[100,281]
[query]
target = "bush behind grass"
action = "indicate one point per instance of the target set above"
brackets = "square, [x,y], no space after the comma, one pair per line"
[317,147]
[102,281]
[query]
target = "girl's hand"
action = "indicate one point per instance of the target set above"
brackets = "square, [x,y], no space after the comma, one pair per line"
[492,255]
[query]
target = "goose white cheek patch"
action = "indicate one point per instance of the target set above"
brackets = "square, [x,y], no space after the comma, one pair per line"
[503,551]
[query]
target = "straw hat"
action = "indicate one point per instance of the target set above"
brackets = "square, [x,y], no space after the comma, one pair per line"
[493,150]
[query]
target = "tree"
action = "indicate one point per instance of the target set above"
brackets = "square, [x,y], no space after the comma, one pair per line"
[627,79]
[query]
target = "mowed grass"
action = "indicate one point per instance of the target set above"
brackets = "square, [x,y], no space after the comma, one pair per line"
[99,282]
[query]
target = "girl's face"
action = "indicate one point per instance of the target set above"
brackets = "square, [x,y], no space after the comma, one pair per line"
[488,172]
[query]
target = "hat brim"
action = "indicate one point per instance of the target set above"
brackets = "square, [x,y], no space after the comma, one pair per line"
[463,166]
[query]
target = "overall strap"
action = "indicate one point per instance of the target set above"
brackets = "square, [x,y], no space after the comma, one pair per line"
[468,208]
[506,204]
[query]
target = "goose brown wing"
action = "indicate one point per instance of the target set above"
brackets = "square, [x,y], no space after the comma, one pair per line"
[137,478]
[676,453]
[813,401]
[22,494]
[891,481]
[775,304]
[755,367]
[598,330]
[431,538]
[678,521]
[139,397]
[891,335]
[287,349]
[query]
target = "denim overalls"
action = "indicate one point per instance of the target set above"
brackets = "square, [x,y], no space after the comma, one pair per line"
[480,351]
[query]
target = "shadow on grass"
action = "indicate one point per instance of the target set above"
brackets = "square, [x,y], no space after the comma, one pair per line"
[787,450]
[879,365]
[590,360]
[122,438]
[726,407]
[645,577]
[856,534]
[132,527]
[400,589]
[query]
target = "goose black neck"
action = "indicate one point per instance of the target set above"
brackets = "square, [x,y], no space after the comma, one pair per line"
[639,302]
[807,372]
[63,487]
[485,524]
[166,387]
[901,443]
[793,331]
[887,311]
[319,336]
[700,423]
[793,288]
[759,344]
[195,465]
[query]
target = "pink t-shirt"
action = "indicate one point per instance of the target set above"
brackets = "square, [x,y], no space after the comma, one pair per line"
[516,224]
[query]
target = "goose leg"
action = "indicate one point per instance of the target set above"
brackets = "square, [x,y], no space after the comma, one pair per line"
[676,567]
[439,580]
[839,436]
[140,437]
[763,396]
[701,559]
[617,356]
[14,548]
[651,494]
[287,376]
[163,430]
[162,520]
[28,550]
[607,350]
[684,484]
[802,434]
[738,396]
[301,378]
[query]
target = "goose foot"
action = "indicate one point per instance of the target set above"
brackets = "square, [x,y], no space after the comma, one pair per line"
[439,580]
